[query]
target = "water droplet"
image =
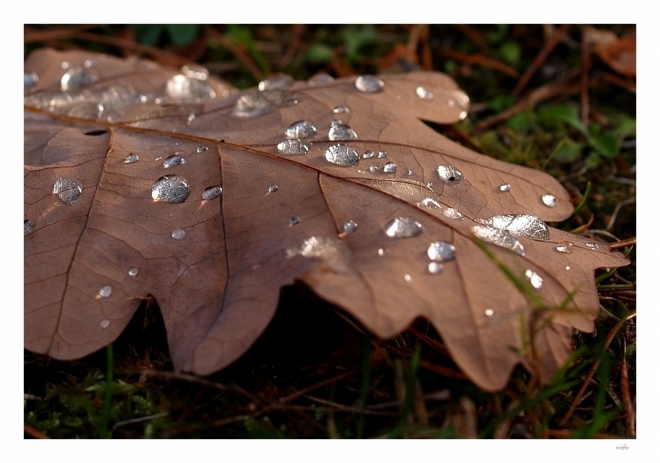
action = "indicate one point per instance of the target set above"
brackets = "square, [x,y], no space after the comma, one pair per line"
[301,130]
[133,271]
[342,155]
[65,65]
[424,93]
[105,291]
[383,252]
[171,189]
[410,172]
[69,190]
[273,188]
[369,84]
[322,78]
[211,192]
[368,154]
[591,245]
[351,226]
[341,132]
[195,71]
[563,249]
[190,118]
[549,200]
[373,169]
[278,81]
[534,279]
[429,203]
[340,109]
[499,238]
[459,99]
[179,234]
[488,312]
[505,187]
[28,227]
[382,154]
[568,267]
[441,251]
[294,221]
[293,147]
[452,213]
[159,158]
[389,168]
[435,268]
[182,87]
[403,227]
[74,79]
[201,149]
[407,278]
[523,225]
[30,80]
[255,103]
[89,63]
[105,323]
[450,174]
[131,158]
[174,160]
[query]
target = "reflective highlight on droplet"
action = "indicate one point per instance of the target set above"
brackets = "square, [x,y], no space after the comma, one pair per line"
[368,154]
[429,203]
[179,234]
[424,93]
[74,79]
[256,103]
[591,245]
[441,251]
[340,109]
[105,323]
[403,227]
[69,190]
[488,312]
[171,189]
[301,130]
[382,154]
[435,268]
[294,147]
[499,238]
[369,84]
[452,213]
[505,187]
[389,168]
[534,279]
[174,160]
[211,192]
[133,271]
[273,188]
[450,174]
[523,225]
[351,226]
[383,252]
[342,155]
[549,200]
[278,81]
[105,291]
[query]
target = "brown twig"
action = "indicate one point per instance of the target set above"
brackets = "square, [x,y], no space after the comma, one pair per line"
[628,410]
[479,60]
[240,55]
[624,243]
[294,44]
[593,370]
[584,79]
[34,432]
[540,58]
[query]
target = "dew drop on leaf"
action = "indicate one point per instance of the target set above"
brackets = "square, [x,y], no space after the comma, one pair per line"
[30,80]
[403,227]
[383,252]
[256,103]
[407,278]
[523,225]
[368,154]
[342,155]
[340,109]
[105,291]
[369,84]
[171,189]
[429,203]
[424,93]
[499,238]
[505,187]
[202,148]
[373,169]
[105,323]
[131,158]
[273,188]
[382,154]
[294,221]
[452,213]
[435,268]
[133,271]
[341,132]
[276,82]
[534,279]
[300,130]
[441,251]
[182,87]
[292,147]
[351,226]
[549,200]
[591,245]
[410,172]
[211,192]
[389,168]
[179,234]
[75,79]
[195,71]
[28,227]
[488,312]
[69,190]
[174,160]
[450,174]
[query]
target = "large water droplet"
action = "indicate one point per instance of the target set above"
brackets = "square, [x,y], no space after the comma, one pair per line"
[368,154]
[369,84]
[505,187]
[174,160]
[342,155]
[549,200]
[341,132]
[179,234]
[340,110]
[30,80]
[255,103]
[75,79]
[441,251]
[351,226]
[211,192]
[133,271]
[403,227]
[435,268]
[105,291]
[499,238]
[301,130]
[182,87]
[131,158]
[69,190]
[534,279]
[424,93]
[275,82]
[292,147]
[170,188]
[28,227]
[523,225]
[389,168]
[450,174]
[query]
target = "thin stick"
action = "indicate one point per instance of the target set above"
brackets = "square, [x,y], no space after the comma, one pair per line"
[624,243]
[479,60]
[237,52]
[584,79]
[34,432]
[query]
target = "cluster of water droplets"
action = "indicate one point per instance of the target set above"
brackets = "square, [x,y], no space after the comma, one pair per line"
[297,135]
[438,252]
[498,237]
[190,85]
[522,225]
